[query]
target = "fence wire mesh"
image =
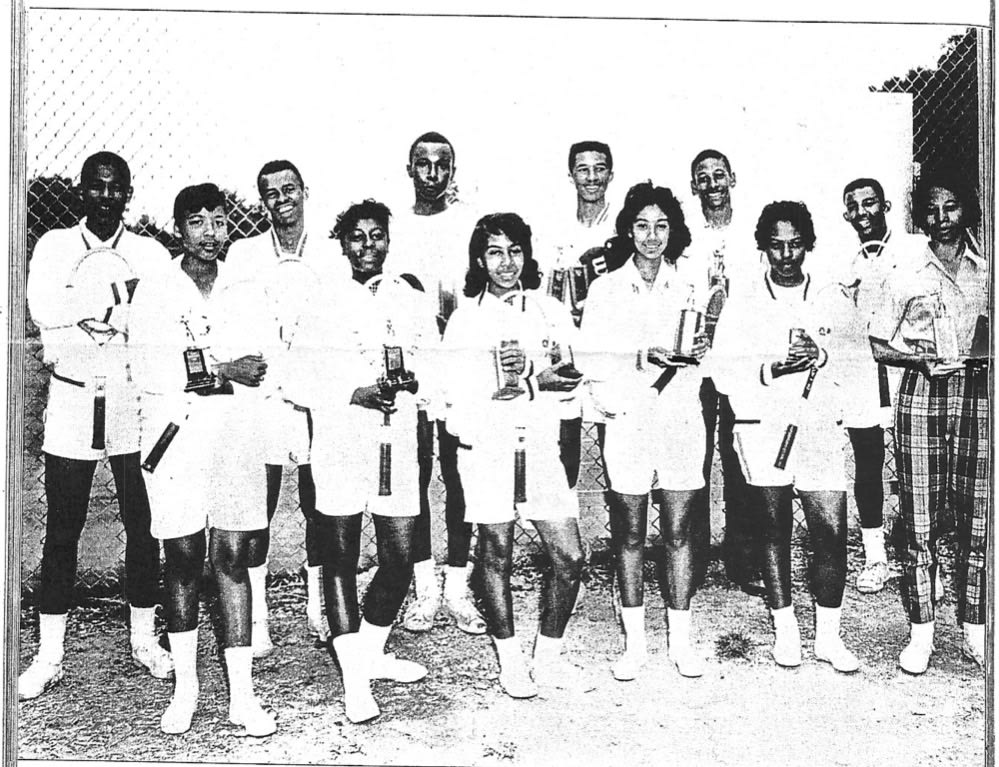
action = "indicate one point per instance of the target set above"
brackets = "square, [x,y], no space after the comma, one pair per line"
[148,122]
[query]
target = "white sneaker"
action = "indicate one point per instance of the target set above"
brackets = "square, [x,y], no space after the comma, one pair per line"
[465,615]
[176,720]
[628,666]
[688,663]
[872,578]
[516,681]
[37,678]
[256,721]
[837,654]
[915,658]
[421,612]
[787,647]
[387,666]
[150,656]
[260,640]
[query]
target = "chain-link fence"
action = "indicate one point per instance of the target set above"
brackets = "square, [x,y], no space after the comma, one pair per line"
[141,117]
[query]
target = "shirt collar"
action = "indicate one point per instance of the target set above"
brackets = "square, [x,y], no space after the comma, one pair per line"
[930,259]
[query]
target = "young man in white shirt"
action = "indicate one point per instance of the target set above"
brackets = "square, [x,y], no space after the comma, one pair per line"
[288,431]
[79,382]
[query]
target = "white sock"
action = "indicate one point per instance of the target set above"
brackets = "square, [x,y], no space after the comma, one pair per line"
[784,618]
[921,634]
[633,619]
[239,667]
[827,624]
[184,650]
[313,590]
[455,583]
[258,593]
[975,632]
[874,544]
[509,652]
[143,625]
[679,627]
[425,577]
[52,636]
[374,637]
[547,649]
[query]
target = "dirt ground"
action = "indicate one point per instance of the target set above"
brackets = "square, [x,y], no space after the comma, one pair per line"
[744,711]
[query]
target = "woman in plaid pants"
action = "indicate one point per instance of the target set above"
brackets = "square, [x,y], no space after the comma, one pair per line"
[933,324]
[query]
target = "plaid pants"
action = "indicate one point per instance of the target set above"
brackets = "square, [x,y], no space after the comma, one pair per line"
[942,456]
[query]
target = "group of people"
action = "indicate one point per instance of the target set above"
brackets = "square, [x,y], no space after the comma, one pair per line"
[345,352]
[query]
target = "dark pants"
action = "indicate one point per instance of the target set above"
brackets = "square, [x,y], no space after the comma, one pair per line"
[67,491]
[740,549]
[868,487]
[459,533]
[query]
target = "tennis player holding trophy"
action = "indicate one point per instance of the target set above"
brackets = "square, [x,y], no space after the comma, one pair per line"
[510,380]
[783,387]
[644,327]
[194,332]
[934,324]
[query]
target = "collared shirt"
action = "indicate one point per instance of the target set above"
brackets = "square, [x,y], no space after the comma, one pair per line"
[543,328]
[913,289]
[76,359]
[258,255]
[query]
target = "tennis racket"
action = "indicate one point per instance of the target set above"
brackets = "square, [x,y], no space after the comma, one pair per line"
[100,281]
[787,442]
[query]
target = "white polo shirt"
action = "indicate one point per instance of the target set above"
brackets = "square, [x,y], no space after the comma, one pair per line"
[75,359]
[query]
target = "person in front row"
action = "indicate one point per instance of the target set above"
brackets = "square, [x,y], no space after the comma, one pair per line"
[647,392]
[367,364]
[784,392]
[508,433]
[199,315]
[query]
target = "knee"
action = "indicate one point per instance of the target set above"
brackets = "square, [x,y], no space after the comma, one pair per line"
[230,556]
[569,563]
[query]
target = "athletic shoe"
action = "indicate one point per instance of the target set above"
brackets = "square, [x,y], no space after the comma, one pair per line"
[37,678]
[466,617]
[176,720]
[872,578]
[387,666]
[837,653]
[150,656]
[260,640]
[915,658]
[421,612]
[256,721]
[688,663]
[786,651]
[628,666]
[516,681]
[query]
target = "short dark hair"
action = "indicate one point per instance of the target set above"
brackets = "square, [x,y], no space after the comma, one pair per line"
[860,183]
[346,222]
[191,199]
[92,163]
[640,196]
[709,154]
[795,213]
[432,137]
[514,227]
[276,166]
[953,182]
[590,146]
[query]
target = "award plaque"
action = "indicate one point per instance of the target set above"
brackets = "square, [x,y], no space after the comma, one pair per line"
[199,377]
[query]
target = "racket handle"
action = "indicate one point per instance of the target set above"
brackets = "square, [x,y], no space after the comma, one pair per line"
[99,413]
[520,476]
[884,394]
[156,454]
[785,446]
[385,468]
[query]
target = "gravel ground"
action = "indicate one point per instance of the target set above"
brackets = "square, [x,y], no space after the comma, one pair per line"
[744,711]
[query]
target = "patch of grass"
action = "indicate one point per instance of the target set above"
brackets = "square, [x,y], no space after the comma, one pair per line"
[733,646]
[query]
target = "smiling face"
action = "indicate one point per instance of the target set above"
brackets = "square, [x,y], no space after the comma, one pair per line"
[786,253]
[203,233]
[712,182]
[865,212]
[591,174]
[503,261]
[943,216]
[284,196]
[366,245]
[650,232]
[431,168]
[105,194]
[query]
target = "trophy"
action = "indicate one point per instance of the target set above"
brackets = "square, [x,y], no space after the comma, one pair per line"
[507,381]
[928,328]
[394,380]
[716,272]
[689,325]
